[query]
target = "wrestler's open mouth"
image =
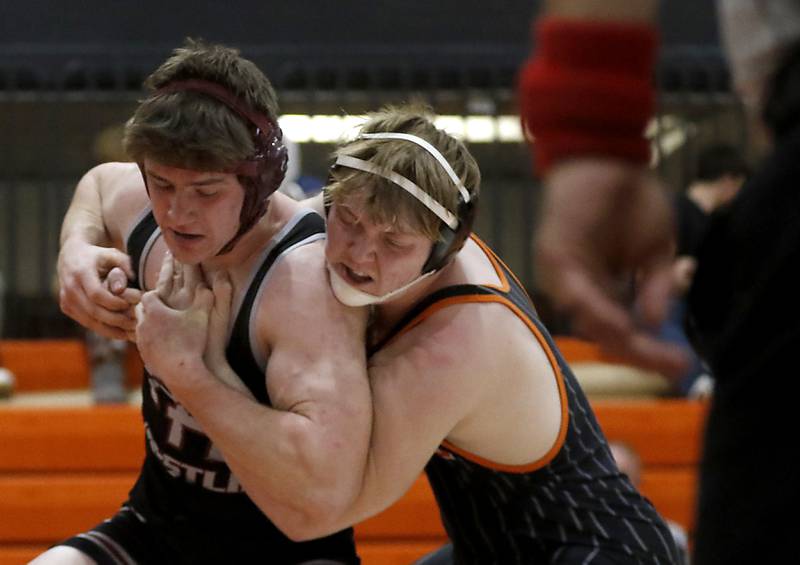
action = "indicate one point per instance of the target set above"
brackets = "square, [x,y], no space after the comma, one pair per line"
[186,236]
[355,276]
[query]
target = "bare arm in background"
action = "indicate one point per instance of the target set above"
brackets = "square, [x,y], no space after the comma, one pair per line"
[604,222]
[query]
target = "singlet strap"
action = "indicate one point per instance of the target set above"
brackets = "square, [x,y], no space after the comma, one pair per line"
[239,351]
[138,244]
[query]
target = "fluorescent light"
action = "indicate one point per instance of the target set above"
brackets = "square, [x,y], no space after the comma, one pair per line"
[481,129]
[509,129]
[322,128]
[351,125]
[326,129]
[296,127]
[454,125]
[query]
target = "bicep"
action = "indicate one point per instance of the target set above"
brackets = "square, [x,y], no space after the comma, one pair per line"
[317,360]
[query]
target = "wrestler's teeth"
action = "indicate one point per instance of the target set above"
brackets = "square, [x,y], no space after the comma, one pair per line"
[358,275]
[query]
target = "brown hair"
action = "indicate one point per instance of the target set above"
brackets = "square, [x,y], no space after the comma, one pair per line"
[192,130]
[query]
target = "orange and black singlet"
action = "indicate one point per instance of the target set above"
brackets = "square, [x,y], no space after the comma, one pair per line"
[572,506]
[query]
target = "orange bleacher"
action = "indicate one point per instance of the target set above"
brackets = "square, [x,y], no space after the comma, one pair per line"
[63,469]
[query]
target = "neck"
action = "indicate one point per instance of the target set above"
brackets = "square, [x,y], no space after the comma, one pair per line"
[387,314]
[252,243]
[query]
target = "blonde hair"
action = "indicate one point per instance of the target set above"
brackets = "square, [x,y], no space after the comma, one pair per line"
[385,202]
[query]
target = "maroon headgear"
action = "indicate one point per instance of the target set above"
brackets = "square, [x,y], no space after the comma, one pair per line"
[260,174]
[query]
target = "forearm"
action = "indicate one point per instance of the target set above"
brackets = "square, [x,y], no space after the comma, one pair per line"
[381,488]
[297,465]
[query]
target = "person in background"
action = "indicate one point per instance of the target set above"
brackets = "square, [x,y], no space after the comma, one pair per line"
[719,174]
[585,97]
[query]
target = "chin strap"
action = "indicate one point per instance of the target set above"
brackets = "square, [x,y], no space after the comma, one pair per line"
[350,296]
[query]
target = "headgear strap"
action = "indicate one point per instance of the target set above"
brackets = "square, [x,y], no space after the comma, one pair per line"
[264,123]
[262,172]
[455,227]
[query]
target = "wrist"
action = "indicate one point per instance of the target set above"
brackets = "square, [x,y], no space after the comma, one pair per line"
[185,375]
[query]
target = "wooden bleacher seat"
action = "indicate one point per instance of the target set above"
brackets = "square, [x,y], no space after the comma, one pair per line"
[62,470]
[46,364]
[33,361]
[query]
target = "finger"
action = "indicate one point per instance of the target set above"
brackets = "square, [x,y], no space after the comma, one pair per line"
[165,276]
[203,299]
[140,313]
[86,312]
[116,281]
[177,274]
[140,320]
[131,313]
[596,309]
[645,351]
[121,320]
[150,305]
[192,276]
[150,299]
[132,296]
[114,258]
[223,293]
[112,332]
[95,291]
[220,314]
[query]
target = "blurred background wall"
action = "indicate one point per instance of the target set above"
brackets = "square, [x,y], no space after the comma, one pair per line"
[71,72]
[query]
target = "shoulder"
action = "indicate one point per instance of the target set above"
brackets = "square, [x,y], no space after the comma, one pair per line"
[112,178]
[452,337]
[115,170]
[123,195]
[466,340]
[301,269]
[299,295]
